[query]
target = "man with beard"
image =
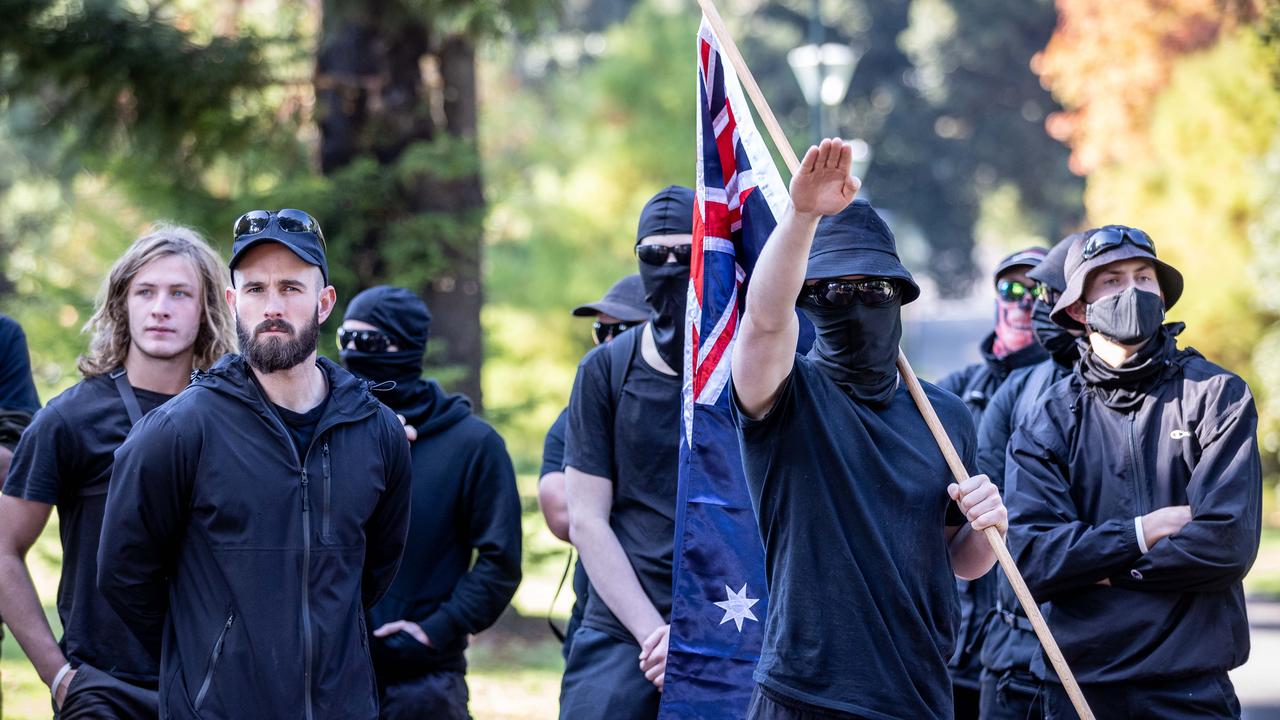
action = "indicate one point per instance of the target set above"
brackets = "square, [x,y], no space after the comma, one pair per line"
[1010,346]
[1009,690]
[253,518]
[620,476]
[159,315]
[465,505]
[1136,498]
[622,308]
[862,544]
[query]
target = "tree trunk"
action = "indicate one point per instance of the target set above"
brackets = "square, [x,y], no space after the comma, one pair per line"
[373,100]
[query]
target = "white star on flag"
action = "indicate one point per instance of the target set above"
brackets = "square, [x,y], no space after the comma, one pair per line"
[737,607]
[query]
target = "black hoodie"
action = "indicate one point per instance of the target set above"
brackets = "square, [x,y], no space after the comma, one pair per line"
[253,565]
[465,503]
[975,385]
[1086,466]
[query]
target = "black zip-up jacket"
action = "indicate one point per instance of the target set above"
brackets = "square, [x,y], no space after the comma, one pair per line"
[253,565]
[1081,472]
[1009,642]
[976,384]
[462,562]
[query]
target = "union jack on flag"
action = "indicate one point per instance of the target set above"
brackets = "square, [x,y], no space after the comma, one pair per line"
[718,595]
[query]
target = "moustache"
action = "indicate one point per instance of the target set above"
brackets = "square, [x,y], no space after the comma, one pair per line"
[274,325]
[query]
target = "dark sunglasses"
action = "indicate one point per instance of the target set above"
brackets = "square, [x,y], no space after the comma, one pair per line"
[370,341]
[289,220]
[843,293]
[1113,237]
[1016,291]
[657,254]
[603,332]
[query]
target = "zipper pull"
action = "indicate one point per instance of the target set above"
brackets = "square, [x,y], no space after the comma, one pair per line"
[306,498]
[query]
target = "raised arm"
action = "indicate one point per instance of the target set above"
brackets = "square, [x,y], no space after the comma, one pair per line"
[765,347]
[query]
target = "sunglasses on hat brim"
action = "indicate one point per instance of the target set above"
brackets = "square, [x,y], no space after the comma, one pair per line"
[1110,238]
[287,219]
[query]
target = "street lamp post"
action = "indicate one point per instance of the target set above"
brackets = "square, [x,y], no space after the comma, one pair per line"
[823,71]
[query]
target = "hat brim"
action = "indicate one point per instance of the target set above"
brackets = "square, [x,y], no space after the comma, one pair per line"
[625,313]
[861,261]
[1171,282]
[268,238]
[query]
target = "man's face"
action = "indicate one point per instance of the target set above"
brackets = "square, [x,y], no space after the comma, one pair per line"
[279,303]
[1113,279]
[164,307]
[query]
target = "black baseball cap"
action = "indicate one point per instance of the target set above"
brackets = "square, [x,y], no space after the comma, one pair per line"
[294,229]
[625,301]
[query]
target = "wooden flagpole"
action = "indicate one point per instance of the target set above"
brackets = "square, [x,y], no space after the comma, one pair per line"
[957,467]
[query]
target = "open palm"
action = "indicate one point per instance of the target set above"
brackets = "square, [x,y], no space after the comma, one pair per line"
[823,185]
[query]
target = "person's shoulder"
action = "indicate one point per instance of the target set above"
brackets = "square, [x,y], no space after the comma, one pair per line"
[956,380]
[944,401]
[10,329]
[83,400]
[1209,382]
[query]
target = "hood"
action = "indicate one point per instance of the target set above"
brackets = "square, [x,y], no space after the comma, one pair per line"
[425,405]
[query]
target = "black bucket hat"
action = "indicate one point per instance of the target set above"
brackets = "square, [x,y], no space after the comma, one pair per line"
[1077,270]
[625,301]
[856,241]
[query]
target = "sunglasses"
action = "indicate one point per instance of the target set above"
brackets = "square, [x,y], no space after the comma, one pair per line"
[603,332]
[658,254]
[1108,238]
[289,220]
[1016,291]
[843,293]
[370,341]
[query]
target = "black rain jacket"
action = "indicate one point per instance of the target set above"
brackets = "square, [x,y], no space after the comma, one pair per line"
[1079,474]
[250,564]
[976,384]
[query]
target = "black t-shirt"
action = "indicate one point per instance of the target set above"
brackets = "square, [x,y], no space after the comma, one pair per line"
[637,445]
[852,504]
[553,445]
[64,459]
[302,426]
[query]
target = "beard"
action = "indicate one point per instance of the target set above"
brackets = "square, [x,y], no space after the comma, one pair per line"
[268,355]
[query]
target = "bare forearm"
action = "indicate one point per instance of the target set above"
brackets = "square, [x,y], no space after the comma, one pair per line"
[779,275]
[971,554]
[22,612]
[613,578]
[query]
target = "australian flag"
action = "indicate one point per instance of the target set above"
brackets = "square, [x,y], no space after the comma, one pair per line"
[718,600]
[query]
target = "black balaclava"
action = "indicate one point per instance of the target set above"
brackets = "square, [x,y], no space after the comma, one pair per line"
[1129,318]
[666,287]
[1057,340]
[857,347]
[405,320]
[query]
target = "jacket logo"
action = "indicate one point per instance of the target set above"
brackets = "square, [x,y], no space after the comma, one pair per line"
[1179,434]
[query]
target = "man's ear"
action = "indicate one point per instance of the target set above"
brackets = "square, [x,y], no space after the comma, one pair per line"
[1076,311]
[231,299]
[328,299]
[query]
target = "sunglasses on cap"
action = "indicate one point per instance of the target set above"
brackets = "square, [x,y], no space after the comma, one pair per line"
[1017,291]
[603,331]
[289,220]
[1108,238]
[843,293]
[370,341]
[658,254]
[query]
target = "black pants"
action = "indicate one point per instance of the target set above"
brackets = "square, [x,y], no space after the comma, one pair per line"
[1010,696]
[1203,697]
[769,705]
[95,695]
[602,680]
[438,695]
[965,701]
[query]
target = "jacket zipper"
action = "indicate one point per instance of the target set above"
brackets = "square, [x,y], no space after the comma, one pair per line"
[213,661]
[325,529]
[1139,492]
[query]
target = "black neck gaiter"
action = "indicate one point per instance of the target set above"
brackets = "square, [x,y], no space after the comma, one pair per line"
[1123,388]
[398,378]
[1057,340]
[666,288]
[857,347]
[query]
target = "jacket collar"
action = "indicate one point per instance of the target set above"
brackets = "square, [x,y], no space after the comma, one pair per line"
[349,396]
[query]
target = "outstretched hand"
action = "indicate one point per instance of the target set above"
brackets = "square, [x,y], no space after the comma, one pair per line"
[823,185]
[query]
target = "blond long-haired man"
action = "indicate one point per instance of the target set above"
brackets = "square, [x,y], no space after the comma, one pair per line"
[159,315]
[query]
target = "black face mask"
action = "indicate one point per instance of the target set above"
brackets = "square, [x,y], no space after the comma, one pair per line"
[666,288]
[1129,318]
[857,346]
[1054,338]
[400,366]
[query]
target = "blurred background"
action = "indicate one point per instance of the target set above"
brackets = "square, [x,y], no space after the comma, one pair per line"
[494,154]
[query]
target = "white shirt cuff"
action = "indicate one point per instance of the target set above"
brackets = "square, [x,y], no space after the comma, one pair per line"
[1142,537]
